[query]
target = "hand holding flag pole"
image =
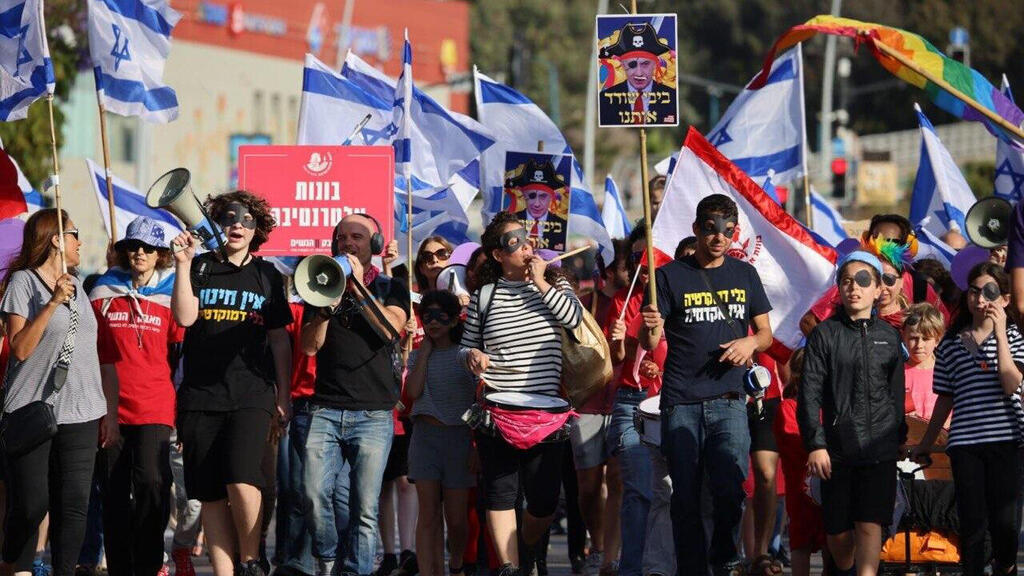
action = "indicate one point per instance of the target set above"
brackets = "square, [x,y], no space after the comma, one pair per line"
[652,291]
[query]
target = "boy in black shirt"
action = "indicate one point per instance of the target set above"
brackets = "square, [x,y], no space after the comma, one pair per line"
[707,305]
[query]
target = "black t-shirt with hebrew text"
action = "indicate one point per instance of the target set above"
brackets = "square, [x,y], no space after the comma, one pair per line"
[228,364]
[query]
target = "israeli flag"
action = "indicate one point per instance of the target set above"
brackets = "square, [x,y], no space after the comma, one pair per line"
[402,112]
[941,196]
[1009,183]
[15,189]
[129,204]
[769,187]
[826,221]
[333,107]
[129,41]
[441,142]
[931,246]
[612,213]
[26,71]
[763,129]
[518,125]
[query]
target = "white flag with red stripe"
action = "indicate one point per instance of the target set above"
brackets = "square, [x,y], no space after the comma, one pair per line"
[794,269]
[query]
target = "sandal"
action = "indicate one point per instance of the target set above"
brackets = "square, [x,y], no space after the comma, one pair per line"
[765,565]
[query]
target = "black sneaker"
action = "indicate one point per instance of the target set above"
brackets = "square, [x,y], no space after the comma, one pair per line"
[507,569]
[387,565]
[576,563]
[251,568]
[407,565]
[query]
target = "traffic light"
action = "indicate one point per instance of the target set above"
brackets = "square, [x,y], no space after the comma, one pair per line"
[839,167]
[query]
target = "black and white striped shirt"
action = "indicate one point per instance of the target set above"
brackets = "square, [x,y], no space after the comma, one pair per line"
[982,412]
[522,335]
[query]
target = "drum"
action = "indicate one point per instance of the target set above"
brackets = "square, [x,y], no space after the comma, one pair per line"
[647,420]
[527,401]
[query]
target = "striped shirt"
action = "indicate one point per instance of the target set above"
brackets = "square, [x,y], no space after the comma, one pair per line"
[522,335]
[982,412]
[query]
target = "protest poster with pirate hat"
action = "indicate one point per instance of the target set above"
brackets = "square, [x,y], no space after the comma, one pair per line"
[537,191]
[637,64]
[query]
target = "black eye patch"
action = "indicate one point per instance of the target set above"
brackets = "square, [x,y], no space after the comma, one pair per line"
[513,240]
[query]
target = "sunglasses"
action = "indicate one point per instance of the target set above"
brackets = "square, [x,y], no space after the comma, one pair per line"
[436,255]
[912,320]
[989,291]
[131,246]
[73,232]
[436,315]
[889,279]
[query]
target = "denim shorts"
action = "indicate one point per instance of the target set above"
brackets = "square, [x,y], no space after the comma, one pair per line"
[441,453]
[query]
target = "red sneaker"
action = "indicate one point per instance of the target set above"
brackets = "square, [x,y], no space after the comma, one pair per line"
[182,563]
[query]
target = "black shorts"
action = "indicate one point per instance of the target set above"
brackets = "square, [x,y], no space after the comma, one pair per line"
[762,435]
[398,458]
[221,448]
[858,494]
[538,470]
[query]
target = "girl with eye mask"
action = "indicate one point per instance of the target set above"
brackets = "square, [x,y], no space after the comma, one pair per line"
[978,372]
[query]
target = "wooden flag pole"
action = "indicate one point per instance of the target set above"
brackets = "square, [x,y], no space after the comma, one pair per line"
[111,207]
[652,291]
[896,55]
[56,187]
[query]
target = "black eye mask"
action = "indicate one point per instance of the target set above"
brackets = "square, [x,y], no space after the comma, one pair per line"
[513,240]
[719,225]
[236,213]
[862,278]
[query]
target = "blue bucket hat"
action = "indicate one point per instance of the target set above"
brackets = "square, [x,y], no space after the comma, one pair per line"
[145,230]
[861,256]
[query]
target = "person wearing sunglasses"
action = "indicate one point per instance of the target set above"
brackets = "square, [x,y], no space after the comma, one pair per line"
[54,358]
[237,375]
[133,301]
[979,366]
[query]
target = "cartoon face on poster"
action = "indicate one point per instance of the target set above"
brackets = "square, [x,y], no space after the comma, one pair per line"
[537,191]
[637,70]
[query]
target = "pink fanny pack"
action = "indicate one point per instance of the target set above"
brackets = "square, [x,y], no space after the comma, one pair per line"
[525,429]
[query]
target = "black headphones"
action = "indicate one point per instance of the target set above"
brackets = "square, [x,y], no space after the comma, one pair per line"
[376,239]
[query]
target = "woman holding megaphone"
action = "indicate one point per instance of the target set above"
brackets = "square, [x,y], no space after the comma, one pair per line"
[236,350]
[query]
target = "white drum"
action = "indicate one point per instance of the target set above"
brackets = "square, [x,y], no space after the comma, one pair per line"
[527,401]
[647,419]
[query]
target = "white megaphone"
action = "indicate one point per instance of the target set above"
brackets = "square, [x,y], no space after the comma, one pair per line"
[173,192]
[320,280]
[453,279]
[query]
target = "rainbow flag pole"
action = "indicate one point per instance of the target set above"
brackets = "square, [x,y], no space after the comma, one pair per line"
[895,54]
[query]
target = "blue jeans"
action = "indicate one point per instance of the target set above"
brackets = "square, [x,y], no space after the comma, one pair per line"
[635,466]
[712,435]
[296,533]
[360,439]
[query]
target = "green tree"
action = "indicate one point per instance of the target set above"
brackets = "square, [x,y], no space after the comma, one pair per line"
[28,140]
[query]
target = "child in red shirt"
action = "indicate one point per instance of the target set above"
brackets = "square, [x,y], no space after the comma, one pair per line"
[806,527]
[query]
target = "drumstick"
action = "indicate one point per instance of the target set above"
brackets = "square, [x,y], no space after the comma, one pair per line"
[567,254]
[622,315]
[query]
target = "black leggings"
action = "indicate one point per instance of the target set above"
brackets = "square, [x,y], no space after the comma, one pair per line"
[56,478]
[985,477]
[539,468]
[136,478]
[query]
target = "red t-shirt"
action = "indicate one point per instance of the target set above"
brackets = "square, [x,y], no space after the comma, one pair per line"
[138,347]
[303,365]
[636,365]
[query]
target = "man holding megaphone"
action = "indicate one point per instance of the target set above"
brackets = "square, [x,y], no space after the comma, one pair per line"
[236,350]
[355,336]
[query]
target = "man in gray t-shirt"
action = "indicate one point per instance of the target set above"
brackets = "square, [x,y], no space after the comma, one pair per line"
[81,399]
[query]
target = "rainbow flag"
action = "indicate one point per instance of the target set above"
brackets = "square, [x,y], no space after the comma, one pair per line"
[925,56]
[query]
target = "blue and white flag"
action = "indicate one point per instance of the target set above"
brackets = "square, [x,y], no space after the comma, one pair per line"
[763,129]
[441,142]
[26,71]
[518,125]
[931,246]
[826,221]
[129,41]
[1009,182]
[612,213]
[941,196]
[129,204]
[333,107]
[402,113]
[769,187]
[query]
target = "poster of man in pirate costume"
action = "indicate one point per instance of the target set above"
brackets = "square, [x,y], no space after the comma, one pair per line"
[637,64]
[537,191]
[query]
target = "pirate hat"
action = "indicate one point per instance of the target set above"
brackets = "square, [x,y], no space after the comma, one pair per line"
[636,41]
[536,175]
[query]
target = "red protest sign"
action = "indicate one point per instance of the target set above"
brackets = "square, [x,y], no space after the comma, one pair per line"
[311,188]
